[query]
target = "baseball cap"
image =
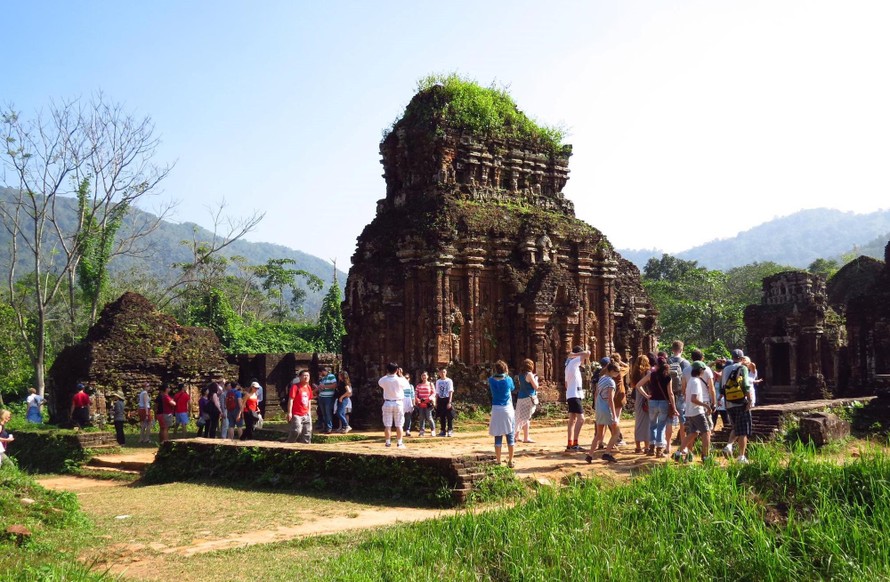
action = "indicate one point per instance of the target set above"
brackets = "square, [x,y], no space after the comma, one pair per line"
[605,362]
[577,350]
[737,354]
[697,365]
[254,384]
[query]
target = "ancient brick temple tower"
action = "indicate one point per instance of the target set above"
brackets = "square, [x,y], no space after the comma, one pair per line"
[475,255]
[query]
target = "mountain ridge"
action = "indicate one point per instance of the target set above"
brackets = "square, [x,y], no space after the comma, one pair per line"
[795,240]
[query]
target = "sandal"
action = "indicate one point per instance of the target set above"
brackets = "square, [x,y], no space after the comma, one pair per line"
[528,441]
[510,464]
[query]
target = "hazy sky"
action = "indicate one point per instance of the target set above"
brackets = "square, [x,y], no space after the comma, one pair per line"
[690,120]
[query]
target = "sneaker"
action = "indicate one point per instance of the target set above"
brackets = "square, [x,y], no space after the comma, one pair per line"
[420,434]
[743,460]
[407,433]
[689,457]
[400,446]
[450,433]
[441,434]
[609,457]
[727,451]
[347,429]
[621,443]
[389,444]
[678,456]
[589,459]
[650,452]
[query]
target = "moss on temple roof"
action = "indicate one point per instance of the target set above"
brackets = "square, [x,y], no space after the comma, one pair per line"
[453,102]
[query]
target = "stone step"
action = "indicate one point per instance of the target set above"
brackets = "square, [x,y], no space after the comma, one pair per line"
[112,470]
[109,462]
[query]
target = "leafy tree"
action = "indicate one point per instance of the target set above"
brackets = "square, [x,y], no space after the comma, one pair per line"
[824,267]
[330,321]
[667,268]
[277,277]
[15,366]
[704,307]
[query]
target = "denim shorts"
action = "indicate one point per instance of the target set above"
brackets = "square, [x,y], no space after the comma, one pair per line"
[232,414]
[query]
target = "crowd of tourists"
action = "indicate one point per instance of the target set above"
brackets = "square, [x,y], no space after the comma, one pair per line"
[670,397]
[670,394]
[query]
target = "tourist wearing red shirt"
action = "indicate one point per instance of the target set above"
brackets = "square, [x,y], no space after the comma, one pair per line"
[181,408]
[80,408]
[298,410]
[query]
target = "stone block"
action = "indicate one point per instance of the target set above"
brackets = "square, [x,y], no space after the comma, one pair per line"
[821,428]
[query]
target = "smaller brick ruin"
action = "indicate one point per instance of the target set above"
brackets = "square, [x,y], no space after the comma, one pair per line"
[815,340]
[795,336]
[133,343]
[868,325]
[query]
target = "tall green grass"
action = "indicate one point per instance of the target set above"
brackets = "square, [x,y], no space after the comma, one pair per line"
[777,519]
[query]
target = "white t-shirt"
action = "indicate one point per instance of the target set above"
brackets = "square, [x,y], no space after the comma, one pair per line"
[695,387]
[574,387]
[34,400]
[393,387]
[444,387]
[706,375]
[144,401]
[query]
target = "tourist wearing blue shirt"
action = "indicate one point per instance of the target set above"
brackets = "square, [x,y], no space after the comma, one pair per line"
[503,421]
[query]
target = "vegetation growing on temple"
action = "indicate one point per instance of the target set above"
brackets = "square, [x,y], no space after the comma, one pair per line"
[459,103]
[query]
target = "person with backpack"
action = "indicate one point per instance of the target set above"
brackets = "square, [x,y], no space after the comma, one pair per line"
[738,392]
[606,414]
[234,410]
[678,365]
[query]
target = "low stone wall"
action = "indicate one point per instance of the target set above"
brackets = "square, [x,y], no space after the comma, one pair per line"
[399,477]
[55,451]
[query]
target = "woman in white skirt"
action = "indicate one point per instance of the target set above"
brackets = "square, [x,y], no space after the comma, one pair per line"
[526,399]
[503,420]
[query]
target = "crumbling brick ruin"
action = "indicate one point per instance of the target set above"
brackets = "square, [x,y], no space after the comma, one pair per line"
[868,324]
[475,255]
[133,343]
[814,340]
[795,338]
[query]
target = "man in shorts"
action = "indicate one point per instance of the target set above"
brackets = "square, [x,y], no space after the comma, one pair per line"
[298,417]
[739,411]
[394,385]
[698,417]
[574,395]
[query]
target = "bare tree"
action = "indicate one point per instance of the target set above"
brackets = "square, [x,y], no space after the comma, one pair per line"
[208,265]
[95,151]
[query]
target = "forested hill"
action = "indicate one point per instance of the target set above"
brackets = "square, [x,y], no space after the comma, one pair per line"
[795,240]
[164,249]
